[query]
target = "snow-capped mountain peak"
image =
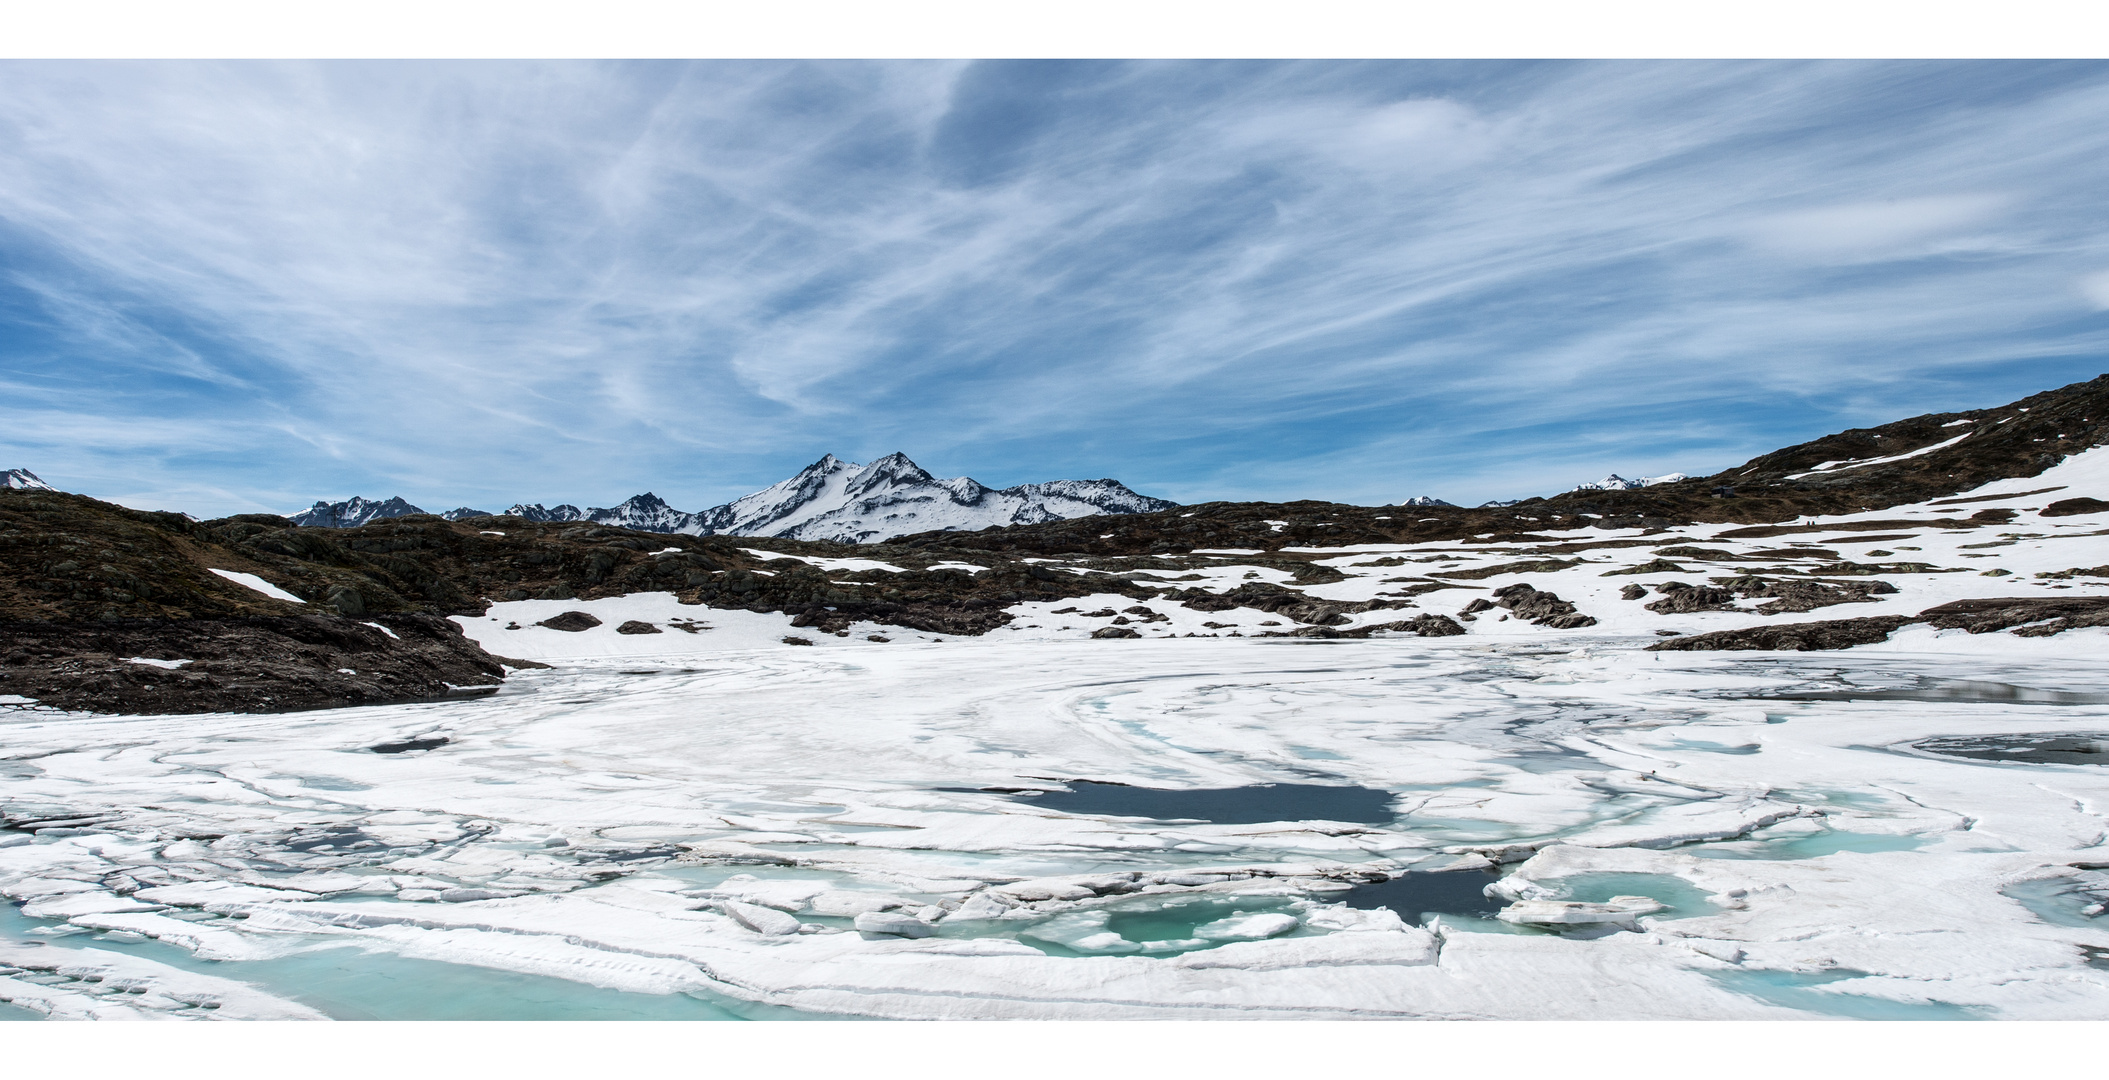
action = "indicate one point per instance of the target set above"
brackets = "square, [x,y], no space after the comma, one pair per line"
[1615,482]
[1423,500]
[23,480]
[538,512]
[352,512]
[842,501]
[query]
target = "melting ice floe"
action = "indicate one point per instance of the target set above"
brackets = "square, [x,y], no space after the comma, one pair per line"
[719,828]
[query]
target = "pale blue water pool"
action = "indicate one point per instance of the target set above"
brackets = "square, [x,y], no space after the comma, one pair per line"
[1796,990]
[349,983]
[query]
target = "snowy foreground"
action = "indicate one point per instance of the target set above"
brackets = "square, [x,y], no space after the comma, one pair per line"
[715,829]
[710,822]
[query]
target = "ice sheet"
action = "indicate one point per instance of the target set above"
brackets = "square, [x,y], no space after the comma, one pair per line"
[596,826]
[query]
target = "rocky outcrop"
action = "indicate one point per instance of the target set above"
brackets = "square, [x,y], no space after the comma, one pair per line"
[1679,598]
[242,664]
[1790,637]
[2026,616]
[2070,507]
[1424,625]
[1538,607]
[571,622]
[1797,595]
[1275,600]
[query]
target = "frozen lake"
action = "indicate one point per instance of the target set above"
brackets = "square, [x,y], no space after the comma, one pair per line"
[1222,827]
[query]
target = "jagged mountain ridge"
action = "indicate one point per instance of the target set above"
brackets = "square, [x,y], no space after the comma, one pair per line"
[831,500]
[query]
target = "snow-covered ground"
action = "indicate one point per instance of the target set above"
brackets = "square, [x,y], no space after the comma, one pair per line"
[713,820]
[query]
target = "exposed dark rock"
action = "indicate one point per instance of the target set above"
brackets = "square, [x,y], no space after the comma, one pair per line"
[1796,595]
[797,641]
[241,664]
[347,601]
[1276,600]
[1653,566]
[1798,553]
[2028,616]
[1114,632]
[1424,625]
[1632,592]
[2070,507]
[2078,571]
[1852,569]
[1685,551]
[1539,566]
[571,622]
[637,626]
[1541,608]
[1432,626]
[1791,637]
[433,742]
[1693,598]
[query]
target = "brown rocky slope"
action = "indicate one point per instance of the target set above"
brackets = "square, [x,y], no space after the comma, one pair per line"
[88,589]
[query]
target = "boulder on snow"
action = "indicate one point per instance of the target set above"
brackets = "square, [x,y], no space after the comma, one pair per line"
[571,622]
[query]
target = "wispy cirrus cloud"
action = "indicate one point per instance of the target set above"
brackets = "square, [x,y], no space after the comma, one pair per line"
[496,281]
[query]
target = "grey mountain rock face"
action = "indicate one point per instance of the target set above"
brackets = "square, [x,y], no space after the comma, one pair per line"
[352,512]
[23,480]
[1423,500]
[461,513]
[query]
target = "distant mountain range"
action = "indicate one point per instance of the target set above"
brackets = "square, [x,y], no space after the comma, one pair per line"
[830,499]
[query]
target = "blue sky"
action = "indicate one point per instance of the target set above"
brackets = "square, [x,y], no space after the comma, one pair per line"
[242,287]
